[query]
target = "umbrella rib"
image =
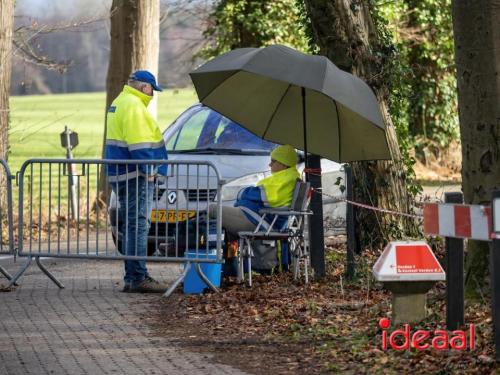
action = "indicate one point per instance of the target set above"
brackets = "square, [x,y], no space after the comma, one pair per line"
[338,130]
[275,110]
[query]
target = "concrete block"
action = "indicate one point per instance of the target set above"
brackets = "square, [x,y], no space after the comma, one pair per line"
[409,300]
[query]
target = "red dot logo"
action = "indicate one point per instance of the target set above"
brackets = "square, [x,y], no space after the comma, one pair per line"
[384,323]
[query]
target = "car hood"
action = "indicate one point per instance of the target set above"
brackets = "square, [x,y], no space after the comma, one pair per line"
[229,166]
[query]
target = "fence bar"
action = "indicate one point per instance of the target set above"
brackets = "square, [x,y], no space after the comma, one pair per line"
[205,279]
[454,274]
[10,220]
[177,281]
[4,272]
[77,230]
[6,212]
[50,275]
[20,272]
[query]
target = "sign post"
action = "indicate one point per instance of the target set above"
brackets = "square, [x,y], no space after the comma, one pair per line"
[316,231]
[350,224]
[495,271]
[454,274]
[69,140]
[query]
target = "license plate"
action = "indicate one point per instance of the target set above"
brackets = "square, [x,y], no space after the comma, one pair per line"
[171,216]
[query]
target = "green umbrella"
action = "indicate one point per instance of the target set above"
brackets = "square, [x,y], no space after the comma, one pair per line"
[288,97]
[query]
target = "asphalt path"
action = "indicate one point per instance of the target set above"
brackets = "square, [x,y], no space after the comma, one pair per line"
[89,327]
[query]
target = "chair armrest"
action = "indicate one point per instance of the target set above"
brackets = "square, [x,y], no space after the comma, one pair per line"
[275,210]
[299,213]
[283,212]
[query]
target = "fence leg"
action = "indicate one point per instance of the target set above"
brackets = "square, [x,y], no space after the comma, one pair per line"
[240,276]
[7,274]
[49,275]
[14,278]
[181,277]
[454,274]
[205,278]
[4,272]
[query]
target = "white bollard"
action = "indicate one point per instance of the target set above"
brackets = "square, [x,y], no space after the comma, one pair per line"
[408,269]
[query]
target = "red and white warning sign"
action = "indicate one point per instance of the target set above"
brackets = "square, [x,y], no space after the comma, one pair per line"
[458,220]
[408,261]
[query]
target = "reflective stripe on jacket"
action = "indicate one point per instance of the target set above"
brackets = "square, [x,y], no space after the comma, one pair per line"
[133,134]
[273,191]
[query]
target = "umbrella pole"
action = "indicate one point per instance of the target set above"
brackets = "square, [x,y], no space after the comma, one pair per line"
[316,230]
[306,161]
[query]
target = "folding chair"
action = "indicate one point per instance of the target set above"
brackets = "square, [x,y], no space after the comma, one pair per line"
[292,231]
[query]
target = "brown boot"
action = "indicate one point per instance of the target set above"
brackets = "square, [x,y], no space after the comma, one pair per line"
[148,285]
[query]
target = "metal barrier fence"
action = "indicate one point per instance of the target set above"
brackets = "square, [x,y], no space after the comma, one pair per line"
[6,219]
[61,214]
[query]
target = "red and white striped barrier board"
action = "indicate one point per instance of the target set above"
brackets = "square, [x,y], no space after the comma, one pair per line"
[458,220]
[408,261]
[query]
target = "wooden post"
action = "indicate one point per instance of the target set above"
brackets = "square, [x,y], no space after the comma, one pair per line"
[350,225]
[495,286]
[454,274]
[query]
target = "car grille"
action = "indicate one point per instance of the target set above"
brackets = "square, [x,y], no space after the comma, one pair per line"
[203,195]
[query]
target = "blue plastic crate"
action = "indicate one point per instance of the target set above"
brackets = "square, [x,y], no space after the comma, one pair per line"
[193,284]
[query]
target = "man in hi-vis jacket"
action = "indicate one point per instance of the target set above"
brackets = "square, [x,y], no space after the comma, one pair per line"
[133,134]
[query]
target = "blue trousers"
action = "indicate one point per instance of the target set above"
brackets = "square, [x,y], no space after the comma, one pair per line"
[135,197]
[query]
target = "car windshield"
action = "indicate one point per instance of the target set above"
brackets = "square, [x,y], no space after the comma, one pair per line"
[203,130]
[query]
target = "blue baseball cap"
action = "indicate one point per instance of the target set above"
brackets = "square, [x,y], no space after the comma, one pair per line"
[145,76]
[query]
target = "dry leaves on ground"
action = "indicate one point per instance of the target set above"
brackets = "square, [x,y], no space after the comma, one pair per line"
[280,326]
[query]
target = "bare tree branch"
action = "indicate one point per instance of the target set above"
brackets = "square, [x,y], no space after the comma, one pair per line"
[28,54]
[24,35]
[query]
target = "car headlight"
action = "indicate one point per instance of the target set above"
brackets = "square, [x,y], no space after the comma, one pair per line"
[229,191]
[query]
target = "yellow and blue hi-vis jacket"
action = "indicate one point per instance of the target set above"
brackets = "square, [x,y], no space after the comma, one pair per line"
[133,134]
[273,191]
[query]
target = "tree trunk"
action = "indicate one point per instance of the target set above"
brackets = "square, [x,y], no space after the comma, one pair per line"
[477,56]
[416,107]
[135,44]
[6,25]
[346,34]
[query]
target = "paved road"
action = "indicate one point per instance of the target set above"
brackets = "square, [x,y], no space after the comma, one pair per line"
[436,192]
[87,328]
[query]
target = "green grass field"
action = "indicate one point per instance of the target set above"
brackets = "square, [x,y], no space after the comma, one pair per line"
[37,121]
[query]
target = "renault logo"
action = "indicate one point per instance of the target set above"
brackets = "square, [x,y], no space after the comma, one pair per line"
[172,197]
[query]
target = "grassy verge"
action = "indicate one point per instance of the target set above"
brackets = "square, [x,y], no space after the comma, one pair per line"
[37,121]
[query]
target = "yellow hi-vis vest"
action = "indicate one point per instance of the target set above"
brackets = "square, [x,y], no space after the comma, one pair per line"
[273,191]
[279,187]
[133,134]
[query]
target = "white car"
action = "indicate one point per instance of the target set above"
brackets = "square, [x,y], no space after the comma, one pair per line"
[202,134]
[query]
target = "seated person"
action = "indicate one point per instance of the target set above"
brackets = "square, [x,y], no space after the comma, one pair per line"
[273,191]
